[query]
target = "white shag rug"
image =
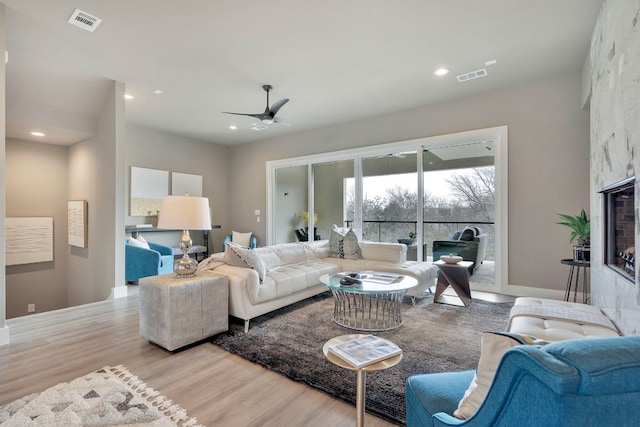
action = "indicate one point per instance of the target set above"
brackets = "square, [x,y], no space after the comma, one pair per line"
[110,396]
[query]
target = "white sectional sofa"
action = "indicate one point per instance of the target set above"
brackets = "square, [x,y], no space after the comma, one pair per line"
[293,273]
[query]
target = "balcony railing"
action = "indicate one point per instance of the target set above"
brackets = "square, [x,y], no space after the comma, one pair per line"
[391,231]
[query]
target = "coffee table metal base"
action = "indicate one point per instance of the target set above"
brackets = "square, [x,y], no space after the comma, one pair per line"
[368,312]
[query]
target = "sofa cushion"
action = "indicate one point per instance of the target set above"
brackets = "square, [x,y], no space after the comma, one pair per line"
[494,346]
[344,244]
[285,253]
[540,323]
[244,257]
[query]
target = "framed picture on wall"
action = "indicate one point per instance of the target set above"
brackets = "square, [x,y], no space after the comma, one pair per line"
[186,183]
[148,188]
[77,223]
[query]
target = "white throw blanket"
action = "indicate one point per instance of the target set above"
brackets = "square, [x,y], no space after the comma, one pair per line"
[561,313]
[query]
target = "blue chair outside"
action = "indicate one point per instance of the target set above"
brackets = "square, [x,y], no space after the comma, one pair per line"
[581,382]
[253,242]
[141,262]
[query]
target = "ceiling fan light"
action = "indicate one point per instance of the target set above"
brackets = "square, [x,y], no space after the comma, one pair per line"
[267,121]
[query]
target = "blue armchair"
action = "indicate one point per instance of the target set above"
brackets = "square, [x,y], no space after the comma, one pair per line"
[141,262]
[591,381]
[253,242]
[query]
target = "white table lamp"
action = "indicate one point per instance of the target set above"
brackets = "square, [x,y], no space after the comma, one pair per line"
[185,213]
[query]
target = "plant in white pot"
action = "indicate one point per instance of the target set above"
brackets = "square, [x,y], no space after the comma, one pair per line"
[580,227]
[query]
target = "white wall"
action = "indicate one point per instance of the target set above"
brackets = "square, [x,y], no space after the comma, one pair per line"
[615,146]
[548,164]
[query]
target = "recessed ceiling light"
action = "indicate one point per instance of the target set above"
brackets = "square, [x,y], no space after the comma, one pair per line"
[36,133]
[492,62]
[157,91]
[127,96]
[442,71]
[232,127]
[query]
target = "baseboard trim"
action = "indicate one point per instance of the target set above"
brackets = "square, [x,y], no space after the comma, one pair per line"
[4,336]
[119,292]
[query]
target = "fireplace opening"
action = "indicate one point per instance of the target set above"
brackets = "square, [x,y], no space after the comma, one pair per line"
[620,227]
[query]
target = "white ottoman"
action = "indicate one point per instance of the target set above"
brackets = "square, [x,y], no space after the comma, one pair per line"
[177,312]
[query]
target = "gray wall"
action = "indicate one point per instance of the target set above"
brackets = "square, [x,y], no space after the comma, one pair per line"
[93,176]
[4,331]
[152,149]
[37,176]
[548,164]
[615,145]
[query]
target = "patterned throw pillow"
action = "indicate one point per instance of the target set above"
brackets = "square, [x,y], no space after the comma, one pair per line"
[494,346]
[343,243]
[244,257]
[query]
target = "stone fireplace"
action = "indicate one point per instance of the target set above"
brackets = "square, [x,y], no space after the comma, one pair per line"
[619,227]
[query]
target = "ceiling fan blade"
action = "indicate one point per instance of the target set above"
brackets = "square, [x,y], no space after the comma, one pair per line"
[277,106]
[259,116]
[281,121]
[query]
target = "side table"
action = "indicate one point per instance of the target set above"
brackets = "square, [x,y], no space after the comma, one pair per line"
[361,372]
[456,276]
[575,267]
[175,312]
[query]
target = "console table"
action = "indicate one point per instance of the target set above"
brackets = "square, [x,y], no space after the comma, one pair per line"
[196,249]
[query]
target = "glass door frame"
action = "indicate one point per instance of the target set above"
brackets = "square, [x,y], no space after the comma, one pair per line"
[499,135]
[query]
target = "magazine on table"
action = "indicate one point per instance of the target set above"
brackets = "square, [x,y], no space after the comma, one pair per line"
[365,350]
[358,278]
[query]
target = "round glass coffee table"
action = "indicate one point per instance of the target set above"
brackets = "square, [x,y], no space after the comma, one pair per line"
[374,305]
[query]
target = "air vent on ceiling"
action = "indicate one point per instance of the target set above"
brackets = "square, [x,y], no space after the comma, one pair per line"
[260,127]
[84,20]
[472,75]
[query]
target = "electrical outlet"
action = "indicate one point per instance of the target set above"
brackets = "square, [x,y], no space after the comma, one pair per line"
[257,219]
[31,308]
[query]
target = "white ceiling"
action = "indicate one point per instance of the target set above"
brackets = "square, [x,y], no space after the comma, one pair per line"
[336,60]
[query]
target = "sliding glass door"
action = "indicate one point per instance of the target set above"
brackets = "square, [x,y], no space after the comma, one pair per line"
[415,193]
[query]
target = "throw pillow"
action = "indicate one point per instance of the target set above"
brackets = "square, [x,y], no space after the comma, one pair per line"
[494,346]
[244,257]
[139,242]
[344,244]
[242,239]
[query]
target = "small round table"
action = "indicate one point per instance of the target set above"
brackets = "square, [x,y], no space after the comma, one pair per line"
[576,266]
[361,373]
[371,306]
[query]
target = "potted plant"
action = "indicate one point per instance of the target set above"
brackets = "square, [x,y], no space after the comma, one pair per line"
[581,230]
[305,217]
[409,241]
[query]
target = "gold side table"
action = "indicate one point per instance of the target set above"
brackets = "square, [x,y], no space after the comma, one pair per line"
[361,373]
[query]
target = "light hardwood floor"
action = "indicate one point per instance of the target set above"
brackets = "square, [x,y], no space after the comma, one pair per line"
[216,387]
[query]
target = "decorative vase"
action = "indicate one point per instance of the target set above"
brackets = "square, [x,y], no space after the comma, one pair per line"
[582,253]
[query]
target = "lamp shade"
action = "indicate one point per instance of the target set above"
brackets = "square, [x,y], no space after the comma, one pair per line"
[184,213]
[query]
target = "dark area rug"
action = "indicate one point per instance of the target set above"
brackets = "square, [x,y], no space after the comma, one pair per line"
[434,338]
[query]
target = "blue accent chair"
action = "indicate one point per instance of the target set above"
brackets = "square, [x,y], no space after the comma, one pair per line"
[141,262]
[581,382]
[253,242]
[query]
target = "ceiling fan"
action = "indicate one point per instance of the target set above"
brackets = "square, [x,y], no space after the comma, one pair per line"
[269,115]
